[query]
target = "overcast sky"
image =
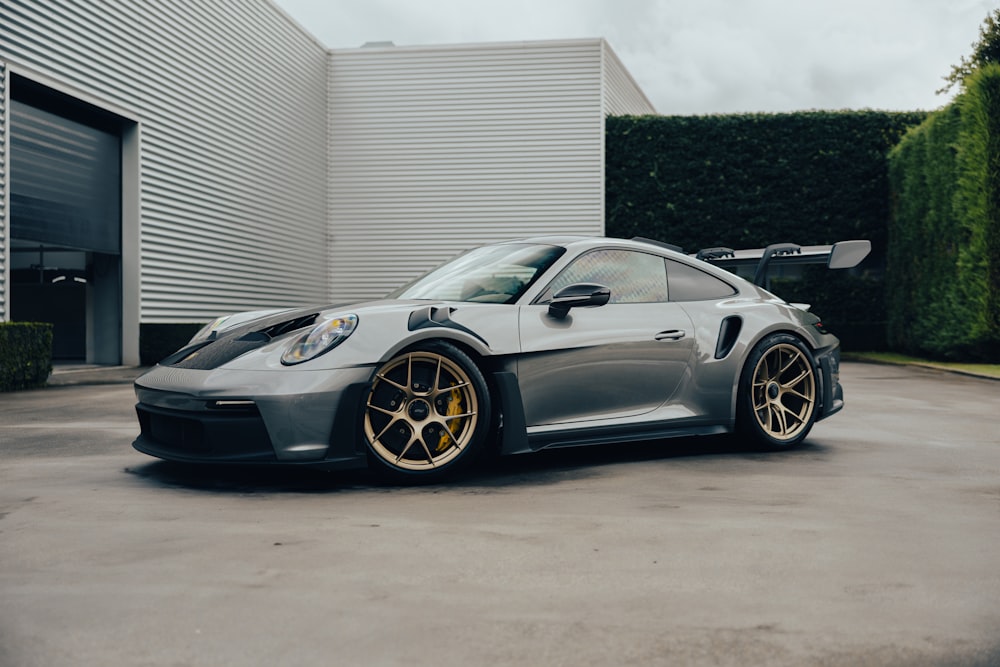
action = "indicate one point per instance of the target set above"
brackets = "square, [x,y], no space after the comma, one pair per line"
[704,56]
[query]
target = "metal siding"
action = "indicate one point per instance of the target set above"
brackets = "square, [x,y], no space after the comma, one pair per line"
[231,96]
[434,150]
[622,96]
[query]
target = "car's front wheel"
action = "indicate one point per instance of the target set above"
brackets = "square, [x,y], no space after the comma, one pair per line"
[778,392]
[426,414]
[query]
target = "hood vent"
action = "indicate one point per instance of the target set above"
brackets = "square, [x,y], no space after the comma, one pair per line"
[281,328]
[231,344]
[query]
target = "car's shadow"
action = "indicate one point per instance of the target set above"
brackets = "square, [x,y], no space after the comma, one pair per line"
[546,467]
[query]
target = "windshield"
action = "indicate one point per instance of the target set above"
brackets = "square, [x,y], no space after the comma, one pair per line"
[491,274]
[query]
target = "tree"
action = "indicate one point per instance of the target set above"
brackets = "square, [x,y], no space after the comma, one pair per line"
[985,50]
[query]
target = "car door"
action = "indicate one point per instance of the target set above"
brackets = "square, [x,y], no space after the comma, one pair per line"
[618,360]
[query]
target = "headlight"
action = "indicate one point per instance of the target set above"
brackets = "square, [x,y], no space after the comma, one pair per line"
[323,337]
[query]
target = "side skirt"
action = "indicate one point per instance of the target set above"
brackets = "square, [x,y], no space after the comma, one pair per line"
[515,439]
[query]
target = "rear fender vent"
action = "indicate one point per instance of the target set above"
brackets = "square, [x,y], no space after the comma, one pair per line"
[729,332]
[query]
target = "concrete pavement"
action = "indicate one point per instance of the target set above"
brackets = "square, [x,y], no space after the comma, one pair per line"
[873,544]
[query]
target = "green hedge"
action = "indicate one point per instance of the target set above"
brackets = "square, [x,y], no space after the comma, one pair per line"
[25,354]
[851,306]
[943,269]
[751,180]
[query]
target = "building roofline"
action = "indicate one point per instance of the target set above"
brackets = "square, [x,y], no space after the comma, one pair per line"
[584,41]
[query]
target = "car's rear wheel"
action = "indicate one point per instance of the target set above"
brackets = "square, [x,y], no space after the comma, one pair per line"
[427,414]
[778,392]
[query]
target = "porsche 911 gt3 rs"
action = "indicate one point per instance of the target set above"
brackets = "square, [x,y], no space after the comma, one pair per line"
[522,346]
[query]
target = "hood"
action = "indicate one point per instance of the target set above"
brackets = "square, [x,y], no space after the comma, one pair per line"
[237,334]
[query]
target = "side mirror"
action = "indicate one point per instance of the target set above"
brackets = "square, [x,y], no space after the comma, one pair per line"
[848,254]
[578,295]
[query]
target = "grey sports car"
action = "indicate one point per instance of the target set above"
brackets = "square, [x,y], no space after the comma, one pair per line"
[522,346]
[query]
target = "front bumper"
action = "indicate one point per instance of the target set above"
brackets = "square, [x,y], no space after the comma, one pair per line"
[234,416]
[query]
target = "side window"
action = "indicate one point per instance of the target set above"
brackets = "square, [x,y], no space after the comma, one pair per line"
[634,277]
[690,284]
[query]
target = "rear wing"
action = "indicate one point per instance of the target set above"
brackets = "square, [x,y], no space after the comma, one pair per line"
[840,255]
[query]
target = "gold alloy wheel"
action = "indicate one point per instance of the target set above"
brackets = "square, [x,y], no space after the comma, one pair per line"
[783,391]
[421,412]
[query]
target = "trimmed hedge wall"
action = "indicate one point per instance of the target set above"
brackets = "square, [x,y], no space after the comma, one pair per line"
[746,181]
[943,269]
[25,355]
[851,306]
[750,180]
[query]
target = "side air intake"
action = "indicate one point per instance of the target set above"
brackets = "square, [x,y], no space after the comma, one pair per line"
[729,332]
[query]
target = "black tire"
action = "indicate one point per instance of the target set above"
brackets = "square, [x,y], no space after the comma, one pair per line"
[426,415]
[778,392]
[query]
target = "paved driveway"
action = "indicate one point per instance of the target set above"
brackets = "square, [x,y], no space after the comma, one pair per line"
[876,543]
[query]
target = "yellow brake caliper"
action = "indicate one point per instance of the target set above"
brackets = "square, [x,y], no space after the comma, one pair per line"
[454,408]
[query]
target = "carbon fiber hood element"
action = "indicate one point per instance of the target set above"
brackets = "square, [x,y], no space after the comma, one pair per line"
[231,343]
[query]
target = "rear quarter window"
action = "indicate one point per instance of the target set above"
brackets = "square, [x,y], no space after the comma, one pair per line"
[686,283]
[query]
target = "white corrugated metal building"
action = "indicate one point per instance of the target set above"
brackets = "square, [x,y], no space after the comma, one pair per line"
[163,163]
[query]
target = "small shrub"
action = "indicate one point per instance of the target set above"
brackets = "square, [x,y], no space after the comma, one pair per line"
[25,355]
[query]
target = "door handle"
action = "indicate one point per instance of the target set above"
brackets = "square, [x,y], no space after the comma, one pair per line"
[673,334]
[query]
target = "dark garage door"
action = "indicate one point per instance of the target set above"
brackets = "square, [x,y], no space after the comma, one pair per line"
[65,205]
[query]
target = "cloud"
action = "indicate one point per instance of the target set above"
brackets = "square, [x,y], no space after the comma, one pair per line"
[705,56]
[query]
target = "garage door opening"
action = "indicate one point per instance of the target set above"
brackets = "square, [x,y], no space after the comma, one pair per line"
[66,221]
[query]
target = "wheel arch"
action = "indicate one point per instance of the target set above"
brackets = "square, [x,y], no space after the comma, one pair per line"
[470,345]
[751,345]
